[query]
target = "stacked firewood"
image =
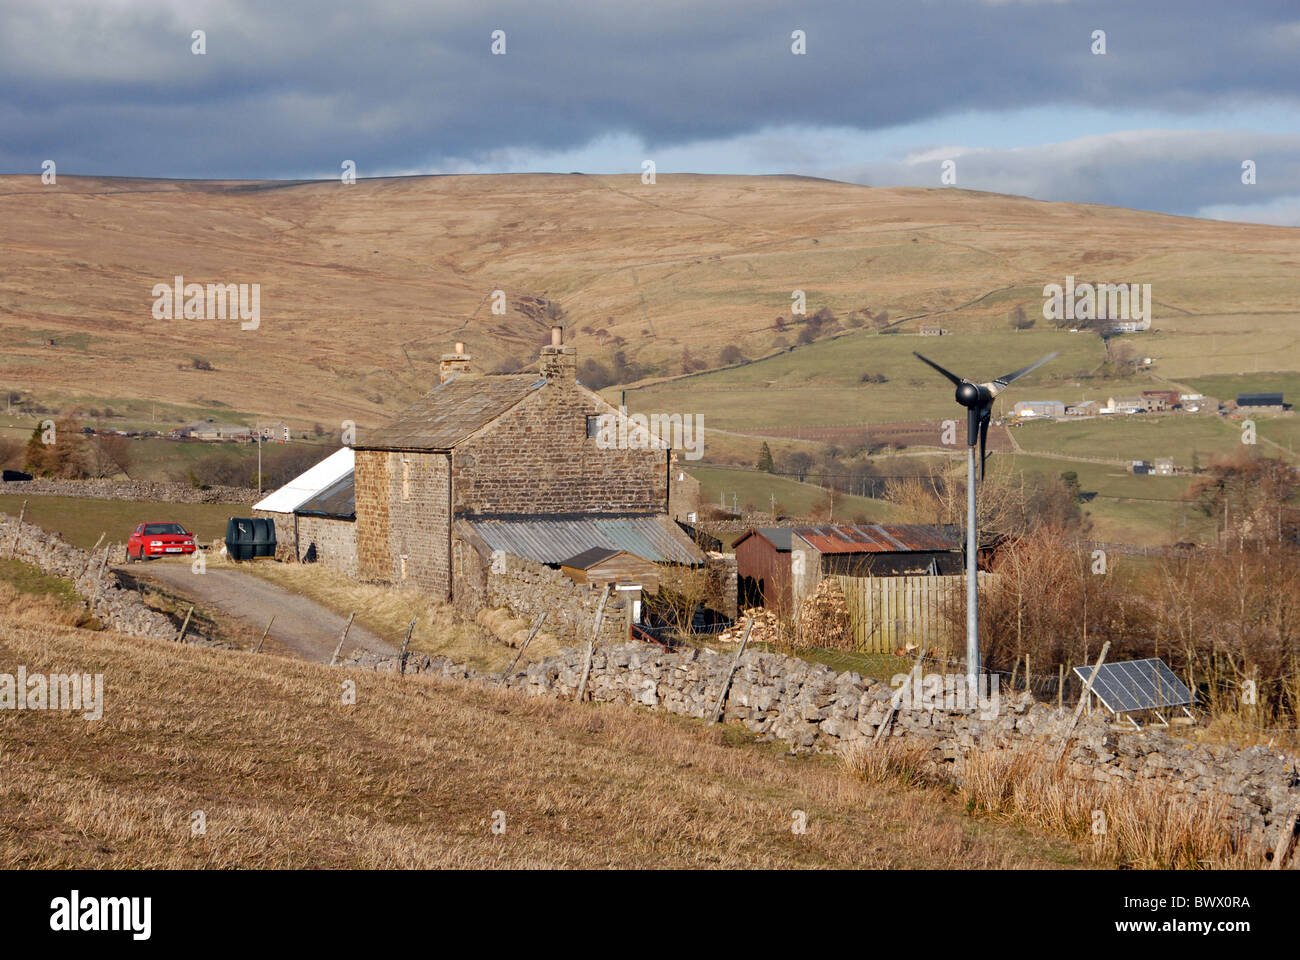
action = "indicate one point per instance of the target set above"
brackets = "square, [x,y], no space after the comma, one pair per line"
[767,627]
[824,618]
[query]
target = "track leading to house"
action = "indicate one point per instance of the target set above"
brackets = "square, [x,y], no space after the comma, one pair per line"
[303,628]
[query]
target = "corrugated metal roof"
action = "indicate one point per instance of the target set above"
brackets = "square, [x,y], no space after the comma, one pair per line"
[555,540]
[338,501]
[306,485]
[451,411]
[880,537]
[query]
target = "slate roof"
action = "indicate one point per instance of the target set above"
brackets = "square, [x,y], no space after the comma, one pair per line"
[452,411]
[337,501]
[555,540]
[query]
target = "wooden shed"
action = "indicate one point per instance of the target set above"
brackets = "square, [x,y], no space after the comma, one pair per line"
[599,566]
[763,562]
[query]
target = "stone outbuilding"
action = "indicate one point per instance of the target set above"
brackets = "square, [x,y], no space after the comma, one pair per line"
[327,486]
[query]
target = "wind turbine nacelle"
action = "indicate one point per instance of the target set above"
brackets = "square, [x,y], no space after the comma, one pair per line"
[973,396]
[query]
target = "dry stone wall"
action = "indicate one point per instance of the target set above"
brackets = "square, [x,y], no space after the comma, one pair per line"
[131,490]
[115,606]
[812,707]
[530,588]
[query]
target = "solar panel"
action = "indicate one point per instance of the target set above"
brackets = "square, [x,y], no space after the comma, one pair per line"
[1136,685]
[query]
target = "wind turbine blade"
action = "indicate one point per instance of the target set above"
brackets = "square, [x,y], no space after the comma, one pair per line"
[1008,378]
[957,381]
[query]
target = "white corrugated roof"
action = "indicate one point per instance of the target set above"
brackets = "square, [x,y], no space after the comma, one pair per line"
[306,485]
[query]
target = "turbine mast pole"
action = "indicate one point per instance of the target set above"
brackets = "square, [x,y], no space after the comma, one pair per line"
[972,612]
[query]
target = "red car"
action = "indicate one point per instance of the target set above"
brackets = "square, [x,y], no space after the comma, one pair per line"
[159,540]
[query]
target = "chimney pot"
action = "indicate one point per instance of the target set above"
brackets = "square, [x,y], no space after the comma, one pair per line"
[460,347]
[557,335]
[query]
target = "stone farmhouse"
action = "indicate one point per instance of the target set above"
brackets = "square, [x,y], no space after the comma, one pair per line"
[490,471]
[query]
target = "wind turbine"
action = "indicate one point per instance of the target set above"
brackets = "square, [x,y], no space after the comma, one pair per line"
[977,398]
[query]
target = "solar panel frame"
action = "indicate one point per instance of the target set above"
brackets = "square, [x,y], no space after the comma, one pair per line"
[1131,685]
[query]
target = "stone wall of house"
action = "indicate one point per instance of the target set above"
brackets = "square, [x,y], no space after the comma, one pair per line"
[537,459]
[131,490]
[335,541]
[402,512]
[370,486]
[812,707]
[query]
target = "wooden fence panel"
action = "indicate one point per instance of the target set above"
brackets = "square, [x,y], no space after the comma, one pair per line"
[886,613]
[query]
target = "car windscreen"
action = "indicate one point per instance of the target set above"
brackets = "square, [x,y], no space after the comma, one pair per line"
[164,528]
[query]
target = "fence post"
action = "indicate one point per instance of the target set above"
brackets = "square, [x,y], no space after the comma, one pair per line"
[90,557]
[591,645]
[406,644]
[264,634]
[896,700]
[180,637]
[13,546]
[726,684]
[1283,845]
[1087,690]
[339,648]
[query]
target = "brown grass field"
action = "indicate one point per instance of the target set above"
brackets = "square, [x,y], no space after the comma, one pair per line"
[410,776]
[364,286]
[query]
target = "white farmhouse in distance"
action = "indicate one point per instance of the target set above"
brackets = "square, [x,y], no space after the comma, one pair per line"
[1039,408]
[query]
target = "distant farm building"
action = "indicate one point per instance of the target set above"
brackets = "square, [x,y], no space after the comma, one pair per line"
[1164,467]
[274,431]
[1125,405]
[1162,399]
[1084,408]
[204,430]
[1260,403]
[1039,408]
[1141,467]
[932,330]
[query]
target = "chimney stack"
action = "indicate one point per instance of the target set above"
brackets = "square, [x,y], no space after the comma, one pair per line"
[453,364]
[557,361]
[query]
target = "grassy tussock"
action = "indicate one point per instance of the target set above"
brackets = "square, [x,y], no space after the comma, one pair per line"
[411,774]
[1146,824]
[27,595]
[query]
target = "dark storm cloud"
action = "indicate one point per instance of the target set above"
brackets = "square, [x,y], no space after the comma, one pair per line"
[291,89]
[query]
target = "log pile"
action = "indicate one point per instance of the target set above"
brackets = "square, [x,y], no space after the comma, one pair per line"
[823,621]
[824,618]
[767,628]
